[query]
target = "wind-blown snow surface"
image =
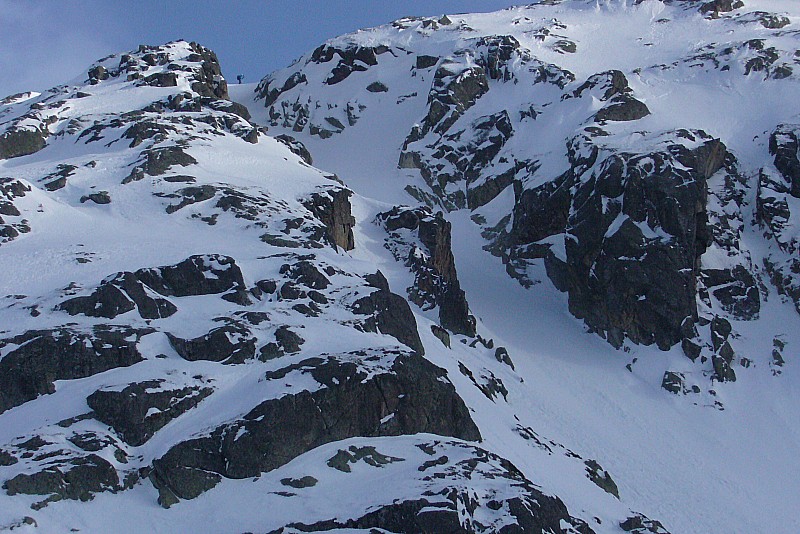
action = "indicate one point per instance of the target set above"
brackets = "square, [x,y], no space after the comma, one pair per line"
[680,459]
[676,458]
[173,267]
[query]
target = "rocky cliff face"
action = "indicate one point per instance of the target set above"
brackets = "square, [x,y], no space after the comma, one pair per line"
[201,330]
[213,318]
[629,210]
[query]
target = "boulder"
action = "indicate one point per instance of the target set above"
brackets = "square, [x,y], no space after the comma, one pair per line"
[231,343]
[204,274]
[17,142]
[120,294]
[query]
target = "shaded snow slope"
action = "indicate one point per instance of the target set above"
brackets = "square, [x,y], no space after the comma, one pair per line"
[202,331]
[428,111]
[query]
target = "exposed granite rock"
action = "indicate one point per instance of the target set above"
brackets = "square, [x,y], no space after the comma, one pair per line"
[631,257]
[456,88]
[452,503]
[120,294]
[778,189]
[641,524]
[231,343]
[144,289]
[204,274]
[377,87]
[16,142]
[296,147]
[101,197]
[601,478]
[673,382]
[77,480]
[351,59]
[715,7]
[390,314]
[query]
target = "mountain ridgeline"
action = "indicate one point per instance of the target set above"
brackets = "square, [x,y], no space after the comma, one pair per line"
[261,308]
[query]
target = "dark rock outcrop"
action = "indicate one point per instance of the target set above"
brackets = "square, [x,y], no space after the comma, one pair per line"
[16,142]
[140,409]
[641,524]
[634,231]
[612,88]
[44,356]
[435,279]
[231,343]
[332,208]
[351,403]
[296,147]
[351,59]
[601,478]
[452,503]
[778,190]
[389,314]
[120,294]
[78,479]
[145,289]
[715,7]
[456,88]
[205,274]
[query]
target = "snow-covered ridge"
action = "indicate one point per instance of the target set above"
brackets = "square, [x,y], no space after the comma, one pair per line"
[637,156]
[180,281]
[202,331]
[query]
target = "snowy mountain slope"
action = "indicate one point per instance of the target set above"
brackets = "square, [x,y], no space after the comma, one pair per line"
[201,329]
[647,173]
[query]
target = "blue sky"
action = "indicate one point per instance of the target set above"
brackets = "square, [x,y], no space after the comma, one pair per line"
[47,42]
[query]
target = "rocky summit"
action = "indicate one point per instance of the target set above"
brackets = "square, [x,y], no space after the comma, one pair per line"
[526,271]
